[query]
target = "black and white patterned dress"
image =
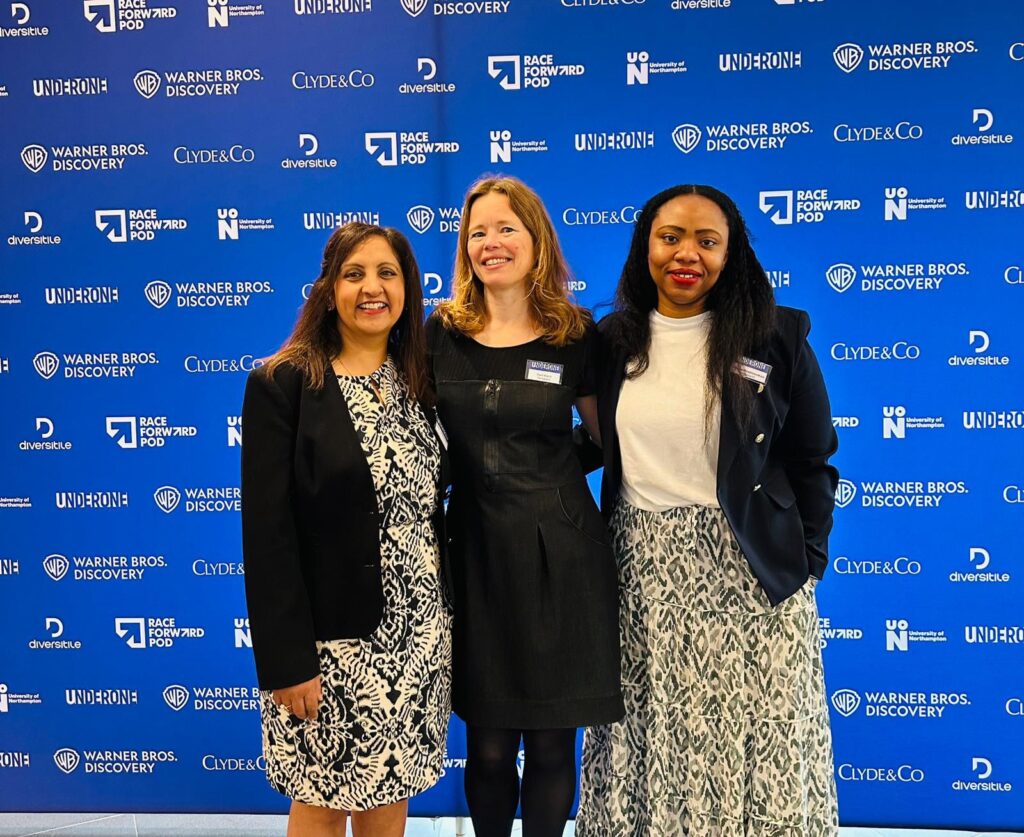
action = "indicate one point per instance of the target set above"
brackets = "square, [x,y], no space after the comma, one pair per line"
[382,725]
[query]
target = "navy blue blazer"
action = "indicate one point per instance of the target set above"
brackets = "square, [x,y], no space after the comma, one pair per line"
[310,524]
[774,484]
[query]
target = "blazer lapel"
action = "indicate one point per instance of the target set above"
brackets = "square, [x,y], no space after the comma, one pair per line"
[728,439]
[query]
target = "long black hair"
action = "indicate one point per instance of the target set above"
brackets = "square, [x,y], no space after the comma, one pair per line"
[741,303]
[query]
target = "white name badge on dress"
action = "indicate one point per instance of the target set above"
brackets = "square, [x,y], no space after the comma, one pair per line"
[753,370]
[546,373]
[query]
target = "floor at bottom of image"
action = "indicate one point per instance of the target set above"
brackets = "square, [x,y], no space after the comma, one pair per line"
[237,825]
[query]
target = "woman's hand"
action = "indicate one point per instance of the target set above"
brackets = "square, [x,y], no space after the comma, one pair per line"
[302,700]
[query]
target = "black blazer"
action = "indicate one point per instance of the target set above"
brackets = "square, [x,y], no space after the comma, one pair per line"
[310,526]
[774,484]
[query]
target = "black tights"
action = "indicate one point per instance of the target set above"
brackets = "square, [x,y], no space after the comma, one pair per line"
[492,781]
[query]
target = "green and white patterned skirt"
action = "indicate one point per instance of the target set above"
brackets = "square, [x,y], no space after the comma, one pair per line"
[726,731]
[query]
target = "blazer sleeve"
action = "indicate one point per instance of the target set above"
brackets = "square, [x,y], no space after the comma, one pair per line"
[807,441]
[280,614]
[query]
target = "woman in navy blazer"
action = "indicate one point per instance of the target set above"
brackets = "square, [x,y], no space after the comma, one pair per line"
[343,473]
[716,433]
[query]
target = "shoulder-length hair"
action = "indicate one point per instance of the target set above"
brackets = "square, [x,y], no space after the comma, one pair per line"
[316,339]
[741,303]
[560,320]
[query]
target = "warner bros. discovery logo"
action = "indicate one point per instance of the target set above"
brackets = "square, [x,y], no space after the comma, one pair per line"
[34,158]
[846,491]
[845,701]
[147,83]
[848,56]
[46,364]
[176,697]
[67,760]
[686,137]
[841,277]
[420,218]
[167,498]
[158,293]
[56,566]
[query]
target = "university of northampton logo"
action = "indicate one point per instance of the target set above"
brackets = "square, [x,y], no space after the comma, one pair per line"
[420,218]
[66,759]
[167,498]
[845,492]
[147,82]
[414,8]
[841,277]
[176,697]
[158,293]
[34,158]
[848,57]
[846,702]
[56,566]
[46,364]
[686,137]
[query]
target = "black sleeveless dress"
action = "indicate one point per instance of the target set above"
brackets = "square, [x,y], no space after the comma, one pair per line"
[536,642]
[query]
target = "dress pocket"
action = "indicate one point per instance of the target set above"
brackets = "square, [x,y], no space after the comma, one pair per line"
[581,513]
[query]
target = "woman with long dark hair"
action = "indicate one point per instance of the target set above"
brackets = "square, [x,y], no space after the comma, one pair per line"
[342,523]
[716,432]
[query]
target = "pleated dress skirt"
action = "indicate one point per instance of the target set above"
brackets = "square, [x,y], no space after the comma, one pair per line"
[726,731]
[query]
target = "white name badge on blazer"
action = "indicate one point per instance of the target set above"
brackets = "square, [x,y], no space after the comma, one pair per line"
[753,370]
[546,373]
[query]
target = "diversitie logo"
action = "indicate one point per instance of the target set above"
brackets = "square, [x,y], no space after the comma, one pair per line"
[427,69]
[983,119]
[981,781]
[980,342]
[34,225]
[309,145]
[21,14]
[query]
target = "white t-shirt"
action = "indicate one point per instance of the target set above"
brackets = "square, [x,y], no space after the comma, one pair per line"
[667,461]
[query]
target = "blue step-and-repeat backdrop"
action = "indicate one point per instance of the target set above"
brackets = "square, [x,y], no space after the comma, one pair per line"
[170,170]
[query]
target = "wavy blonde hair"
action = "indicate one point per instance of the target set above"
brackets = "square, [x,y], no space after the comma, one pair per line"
[560,320]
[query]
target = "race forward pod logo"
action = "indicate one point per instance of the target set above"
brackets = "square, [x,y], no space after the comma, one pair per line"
[56,566]
[686,137]
[848,56]
[34,158]
[147,83]
[66,759]
[420,218]
[46,364]
[845,702]
[176,697]
[167,498]
[158,293]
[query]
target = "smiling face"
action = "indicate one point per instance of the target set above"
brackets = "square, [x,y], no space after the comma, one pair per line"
[687,250]
[499,246]
[369,292]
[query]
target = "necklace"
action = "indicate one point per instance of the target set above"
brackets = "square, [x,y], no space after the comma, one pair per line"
[377,390]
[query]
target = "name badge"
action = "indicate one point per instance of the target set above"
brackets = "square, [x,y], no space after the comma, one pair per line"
[546,373]
[439,430]
[753,370]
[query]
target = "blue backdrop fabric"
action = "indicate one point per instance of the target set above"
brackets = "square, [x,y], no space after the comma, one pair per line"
[170,171]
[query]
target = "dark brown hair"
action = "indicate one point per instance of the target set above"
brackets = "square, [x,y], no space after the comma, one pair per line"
[315,340]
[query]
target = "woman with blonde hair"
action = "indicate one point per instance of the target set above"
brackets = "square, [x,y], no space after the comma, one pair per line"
[536,651]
